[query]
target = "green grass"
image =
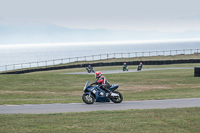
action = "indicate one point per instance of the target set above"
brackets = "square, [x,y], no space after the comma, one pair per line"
[53,87]
[185,120]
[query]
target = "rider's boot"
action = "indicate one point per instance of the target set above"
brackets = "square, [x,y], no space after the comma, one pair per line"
[108,92]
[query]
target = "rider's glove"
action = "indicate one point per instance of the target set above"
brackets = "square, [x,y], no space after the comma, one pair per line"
[92,83]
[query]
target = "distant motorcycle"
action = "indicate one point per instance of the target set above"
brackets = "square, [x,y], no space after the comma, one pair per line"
[90,69]
[95,93]
[139,67]
[125,68]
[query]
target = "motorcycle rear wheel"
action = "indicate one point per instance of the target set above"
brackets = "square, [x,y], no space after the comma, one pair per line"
[88,99]
[118,99]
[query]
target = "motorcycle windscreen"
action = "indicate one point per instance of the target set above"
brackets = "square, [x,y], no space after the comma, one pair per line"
[86,85]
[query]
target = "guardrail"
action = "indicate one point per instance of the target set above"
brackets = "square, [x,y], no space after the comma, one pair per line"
[97,57]
[149,62]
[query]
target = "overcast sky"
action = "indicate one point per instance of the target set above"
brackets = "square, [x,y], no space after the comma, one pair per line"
[157,15]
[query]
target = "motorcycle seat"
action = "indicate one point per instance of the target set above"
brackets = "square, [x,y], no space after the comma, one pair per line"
[114,87]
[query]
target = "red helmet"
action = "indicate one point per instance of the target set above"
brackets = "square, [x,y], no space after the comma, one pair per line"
[124,63]
[98,74]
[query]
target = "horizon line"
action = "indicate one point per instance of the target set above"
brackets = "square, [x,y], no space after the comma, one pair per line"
[105,42]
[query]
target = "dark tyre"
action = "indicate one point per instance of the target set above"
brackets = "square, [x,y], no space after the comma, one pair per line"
[117,99]
[88,99]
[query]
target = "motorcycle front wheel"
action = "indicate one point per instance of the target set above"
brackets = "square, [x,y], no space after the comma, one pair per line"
[117,99]
[88,99]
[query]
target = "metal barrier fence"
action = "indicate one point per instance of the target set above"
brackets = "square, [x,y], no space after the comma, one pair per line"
[97,57]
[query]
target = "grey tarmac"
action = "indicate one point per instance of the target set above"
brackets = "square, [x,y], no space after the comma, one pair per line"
[131,70]
[82,107]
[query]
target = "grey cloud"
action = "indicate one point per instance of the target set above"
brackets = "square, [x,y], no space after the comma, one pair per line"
[1,19]
[110,14]
[195,17]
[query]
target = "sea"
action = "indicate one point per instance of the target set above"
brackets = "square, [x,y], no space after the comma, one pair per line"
[26,53]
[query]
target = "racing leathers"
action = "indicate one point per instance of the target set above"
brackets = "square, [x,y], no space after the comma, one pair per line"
[103,83]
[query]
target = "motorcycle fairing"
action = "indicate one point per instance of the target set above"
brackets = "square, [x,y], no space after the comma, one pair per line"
[99,98]
[95,91]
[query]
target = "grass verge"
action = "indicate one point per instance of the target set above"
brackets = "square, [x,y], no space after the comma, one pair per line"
[184,120]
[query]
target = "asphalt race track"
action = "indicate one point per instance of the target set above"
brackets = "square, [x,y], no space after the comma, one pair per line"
[82,107]
[130,70]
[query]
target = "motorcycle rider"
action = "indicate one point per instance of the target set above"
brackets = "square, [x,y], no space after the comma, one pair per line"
[101,80]
[89,68]
[125,65]
[140,66]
